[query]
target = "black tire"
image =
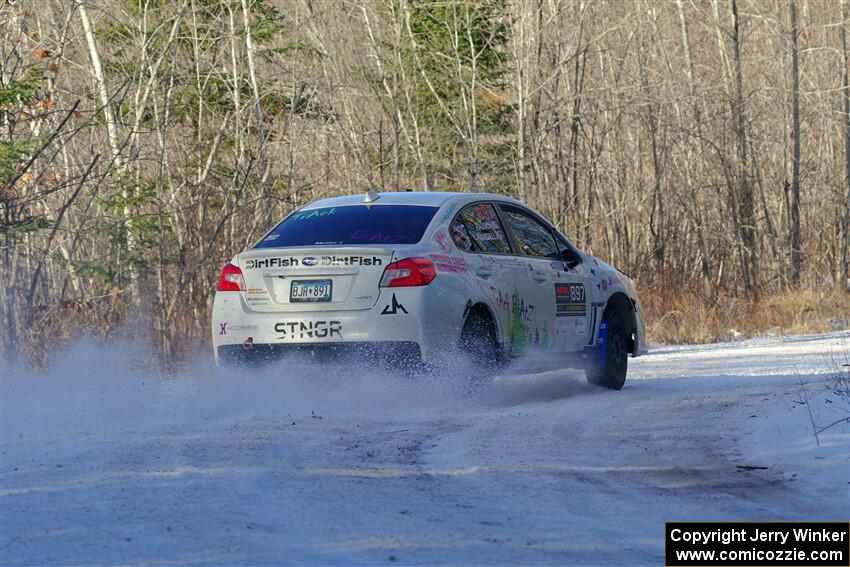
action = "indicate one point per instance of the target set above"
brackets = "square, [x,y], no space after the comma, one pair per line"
[607,367]
[479,346]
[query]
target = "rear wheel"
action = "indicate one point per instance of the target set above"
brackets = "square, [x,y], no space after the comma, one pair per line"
[479,346]
[607,366]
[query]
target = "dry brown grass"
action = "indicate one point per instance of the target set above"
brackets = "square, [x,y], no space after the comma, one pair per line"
[688,318]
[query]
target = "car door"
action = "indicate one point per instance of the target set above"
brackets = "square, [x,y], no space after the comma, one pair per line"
[560,296]
[499,274]
[575,290]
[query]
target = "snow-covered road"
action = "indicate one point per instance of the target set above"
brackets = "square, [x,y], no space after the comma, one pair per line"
[103,462]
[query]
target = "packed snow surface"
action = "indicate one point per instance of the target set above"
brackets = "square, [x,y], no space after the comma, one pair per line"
[104,461]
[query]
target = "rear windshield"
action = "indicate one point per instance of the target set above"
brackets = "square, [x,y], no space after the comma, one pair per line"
[351,224]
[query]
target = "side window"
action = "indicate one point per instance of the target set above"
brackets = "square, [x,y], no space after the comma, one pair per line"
[532,237]
[484,229]
[460,235]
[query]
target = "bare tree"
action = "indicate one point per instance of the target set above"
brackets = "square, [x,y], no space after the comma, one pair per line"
[673,138]
[845,238]
[794,242]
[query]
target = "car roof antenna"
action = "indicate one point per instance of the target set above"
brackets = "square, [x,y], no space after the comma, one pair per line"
[371,196]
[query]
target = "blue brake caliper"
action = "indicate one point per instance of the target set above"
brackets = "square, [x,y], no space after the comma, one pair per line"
[602,348]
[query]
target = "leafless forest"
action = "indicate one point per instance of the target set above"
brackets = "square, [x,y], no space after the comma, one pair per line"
[701,146]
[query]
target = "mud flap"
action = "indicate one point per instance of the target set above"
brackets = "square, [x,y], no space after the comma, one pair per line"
[602,343]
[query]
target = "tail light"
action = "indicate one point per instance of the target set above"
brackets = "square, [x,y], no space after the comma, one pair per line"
[231,279]
[409,272]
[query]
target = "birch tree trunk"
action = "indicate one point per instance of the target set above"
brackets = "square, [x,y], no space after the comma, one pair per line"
[258,111]
[112,136]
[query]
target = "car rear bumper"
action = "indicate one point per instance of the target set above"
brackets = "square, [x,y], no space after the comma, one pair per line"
[394,354]
[403,318]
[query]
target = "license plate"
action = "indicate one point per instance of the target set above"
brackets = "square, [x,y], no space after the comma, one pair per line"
[310,290]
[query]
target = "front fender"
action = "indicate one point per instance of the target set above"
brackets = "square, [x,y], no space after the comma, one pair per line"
[640,317]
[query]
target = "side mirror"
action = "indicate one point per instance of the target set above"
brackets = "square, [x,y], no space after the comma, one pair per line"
[570,258]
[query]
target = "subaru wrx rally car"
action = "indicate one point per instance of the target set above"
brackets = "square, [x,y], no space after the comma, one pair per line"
[424,277]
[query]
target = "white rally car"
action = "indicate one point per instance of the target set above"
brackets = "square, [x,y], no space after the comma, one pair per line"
[425,277]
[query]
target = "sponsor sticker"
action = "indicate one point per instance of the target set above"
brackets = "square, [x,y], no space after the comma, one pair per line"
[569,299]
[580,325]
[257,295]
[570,325]
[258,263]
[453,264]
[503,261]
[442,241]
[447,215]
[282,262]
[562,325]
[304,215]
[377,237]
[309,329]
[351,261]
[394,308]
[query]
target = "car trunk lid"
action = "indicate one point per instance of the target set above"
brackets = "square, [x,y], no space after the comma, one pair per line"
[313,279]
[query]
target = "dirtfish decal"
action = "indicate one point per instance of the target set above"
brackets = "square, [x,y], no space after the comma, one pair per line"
[351,261]
[257,263]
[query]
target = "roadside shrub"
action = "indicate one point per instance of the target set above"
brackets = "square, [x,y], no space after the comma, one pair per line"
[685,317]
